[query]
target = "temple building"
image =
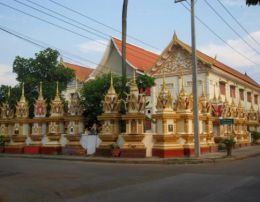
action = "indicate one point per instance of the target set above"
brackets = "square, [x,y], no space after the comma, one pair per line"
[175,63]
[81,75]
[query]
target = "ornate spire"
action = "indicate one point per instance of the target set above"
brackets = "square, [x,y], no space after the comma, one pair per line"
[22,99]
[164,99]
[215,97]
[203,90]
[22,109]
[111,90]
[57,96]
[40,104]
[175,37]
[182,91]
[133,85]
[56,104]
[111,102]
[40,92]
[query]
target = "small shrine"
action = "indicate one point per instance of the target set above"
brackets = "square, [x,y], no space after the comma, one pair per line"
[252,118]
[240,128]
[55,125]
[21,126]
[110,121]
[226,130]
[206,123]
[134,117]
[185,122]
[6,115]
[166,140]
[39,125]
[75,127]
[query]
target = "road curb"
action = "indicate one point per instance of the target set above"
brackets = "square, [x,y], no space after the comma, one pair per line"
[132,161]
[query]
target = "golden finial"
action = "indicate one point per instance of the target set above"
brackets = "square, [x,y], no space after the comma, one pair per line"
[164,84]
[203,90]
[40,90]
[134,76]
[22,96]
[111,89]
[23,89]
[239,104]
[214,98]
[133,85]
[175,37]
[182,81]
[57,88]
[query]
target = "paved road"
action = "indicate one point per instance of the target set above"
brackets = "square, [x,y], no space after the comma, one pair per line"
[57,180]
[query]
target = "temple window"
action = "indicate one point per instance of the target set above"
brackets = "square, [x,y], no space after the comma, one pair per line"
[232,91]
[249,98]
[256,99]
[241,94]
[222,88]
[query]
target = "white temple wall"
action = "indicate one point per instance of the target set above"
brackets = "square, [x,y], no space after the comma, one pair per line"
[214,79]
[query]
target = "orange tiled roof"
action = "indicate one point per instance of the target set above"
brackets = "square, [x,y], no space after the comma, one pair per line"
[139,57]
[228,69]
[82,73]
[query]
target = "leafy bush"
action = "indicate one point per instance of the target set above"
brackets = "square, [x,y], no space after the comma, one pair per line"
[2,140]
[114,146]
[229,142]
[255,135]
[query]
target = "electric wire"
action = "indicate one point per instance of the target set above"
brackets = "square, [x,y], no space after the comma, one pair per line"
[226,23]
[239,24]
[219,37]
[100,23]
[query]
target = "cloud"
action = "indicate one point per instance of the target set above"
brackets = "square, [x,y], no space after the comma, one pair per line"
[7,77]
[97,46]
[228,56]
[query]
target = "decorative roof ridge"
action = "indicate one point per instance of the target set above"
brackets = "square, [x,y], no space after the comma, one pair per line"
[132,44]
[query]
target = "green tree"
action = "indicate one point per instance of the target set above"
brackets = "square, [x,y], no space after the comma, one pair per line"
[44,67]
[93,93]
[252,2]
[14,94]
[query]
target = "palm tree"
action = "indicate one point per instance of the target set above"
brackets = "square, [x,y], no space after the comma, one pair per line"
[252,2]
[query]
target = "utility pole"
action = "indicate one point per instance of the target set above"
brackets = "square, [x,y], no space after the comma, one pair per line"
[124,26]
[194,80]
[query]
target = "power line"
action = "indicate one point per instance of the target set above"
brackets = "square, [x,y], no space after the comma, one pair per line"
[215,11]
[60,19]
[220,38]
[37,43]
[50,10]
[44,45]
[240,25]
[73,32]
[100,23]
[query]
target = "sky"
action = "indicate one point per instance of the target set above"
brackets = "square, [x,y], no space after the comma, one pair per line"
[151,22]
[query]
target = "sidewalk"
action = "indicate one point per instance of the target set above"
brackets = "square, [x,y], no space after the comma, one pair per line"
[237,154]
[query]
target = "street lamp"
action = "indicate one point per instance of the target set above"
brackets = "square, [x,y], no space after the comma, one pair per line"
[194,80]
